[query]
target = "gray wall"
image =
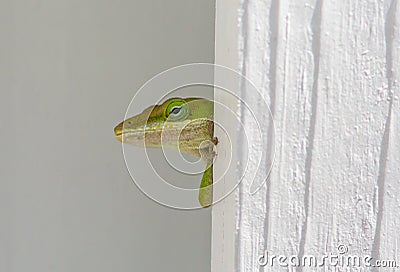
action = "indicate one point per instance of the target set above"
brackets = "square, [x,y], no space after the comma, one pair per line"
[68,70]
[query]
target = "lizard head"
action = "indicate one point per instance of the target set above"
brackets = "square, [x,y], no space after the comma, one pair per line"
[183,122]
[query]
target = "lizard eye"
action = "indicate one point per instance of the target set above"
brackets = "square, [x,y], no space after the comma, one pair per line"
[177,110]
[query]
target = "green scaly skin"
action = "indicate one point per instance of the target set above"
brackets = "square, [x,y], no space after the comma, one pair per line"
[181,123]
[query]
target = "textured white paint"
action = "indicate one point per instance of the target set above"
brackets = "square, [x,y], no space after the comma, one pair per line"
[330,71]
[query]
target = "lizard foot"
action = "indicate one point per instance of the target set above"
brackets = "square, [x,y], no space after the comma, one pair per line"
[215,140]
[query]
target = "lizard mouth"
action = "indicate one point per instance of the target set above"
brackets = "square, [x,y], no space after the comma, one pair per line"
[124,134]
[118,131]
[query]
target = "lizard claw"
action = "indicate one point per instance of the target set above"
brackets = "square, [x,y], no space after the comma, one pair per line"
[215,140]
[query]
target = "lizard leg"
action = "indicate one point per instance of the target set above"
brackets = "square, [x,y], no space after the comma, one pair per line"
[206,188]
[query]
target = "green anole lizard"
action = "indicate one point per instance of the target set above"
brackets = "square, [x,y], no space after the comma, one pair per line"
[185,124]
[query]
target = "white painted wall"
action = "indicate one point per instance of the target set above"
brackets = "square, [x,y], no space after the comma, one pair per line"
[330,72]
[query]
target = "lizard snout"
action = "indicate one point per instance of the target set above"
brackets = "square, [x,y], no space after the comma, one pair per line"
[118,131]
